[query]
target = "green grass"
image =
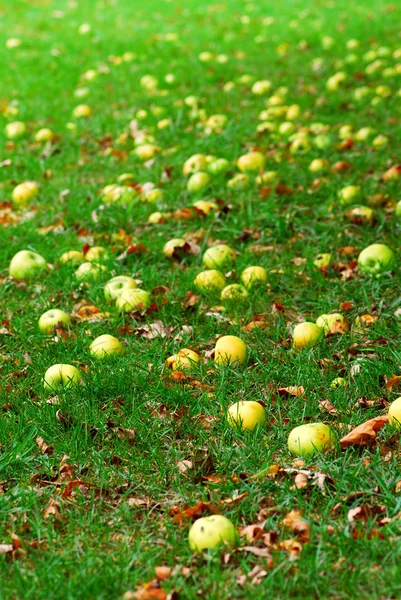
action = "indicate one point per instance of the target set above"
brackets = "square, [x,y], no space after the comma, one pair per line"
[112,530]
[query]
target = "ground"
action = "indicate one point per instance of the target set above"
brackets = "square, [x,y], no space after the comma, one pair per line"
[100,482]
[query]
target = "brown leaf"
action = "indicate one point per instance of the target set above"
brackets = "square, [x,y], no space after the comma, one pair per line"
[43,447]
[393,382]
[255,325]
[292,390]
[326,406]
[294,521]
[90,314]
[260,552]
[179,514]
[344,306]
[153,330]
[149,591]
[364,433]
[163,572]
[52,510]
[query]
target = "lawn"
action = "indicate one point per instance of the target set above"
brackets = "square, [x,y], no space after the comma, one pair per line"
[102,104]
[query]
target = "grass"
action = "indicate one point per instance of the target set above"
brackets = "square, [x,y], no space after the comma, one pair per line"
[103,535]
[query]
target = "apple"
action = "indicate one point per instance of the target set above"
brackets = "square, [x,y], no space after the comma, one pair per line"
[234,292]
[152,196]
[216,122]
[44,135]
[113,192]
[146,152]
[332,323]
[253,276]
[238,182]
[300,143]
[218,256]
[25,192]
[72,256]
[205,206]
[348,194]
[157,217]
[211,532]
[133,299]
[322,261]
[250,162]
[267,177]
[210,280]
[184,359]
[246,414]
[319,164]
[339,382]
[172,245]
[82,111]
[105,345]
[230,349]
[306,335]
[376,258]
[218,166]
[96,254]
[15,130]
[27,265]
[51,318]
[61,376]
[361,214]
[394,413]
[310,438]
[194,164]
[322,141]
[149,83]
[260,88]
[198,181]
[117,285]
[89,270]
[380,141]
[364,133]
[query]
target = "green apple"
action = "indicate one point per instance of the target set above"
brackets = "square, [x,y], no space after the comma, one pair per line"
[198,181]
[72,256]
[146,152]
[234,292]
[251,162]
[322,261]
[394,413]
[105,345]
[61,376]
[15,130]
[376,258]
[44,135]
[230,349]
[211,532]
[218,257]
[253,276]
[51,318]
[194,164]
[361,214]
[25,192]
[157,217]
[96,254]
[319,164]
[216,122]
[89,270]
[114,288]
[172,245]
[184,359]
[310,439]
[306,335]
[218,166]
[339,382]
[238,182]
[246,414]
[133,299]
[322,141]
[349,194]
[27,265]
[262,87]
[398,209]
[210,280]
[332,323]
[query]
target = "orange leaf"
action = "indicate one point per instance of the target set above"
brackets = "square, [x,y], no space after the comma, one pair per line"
[364,433]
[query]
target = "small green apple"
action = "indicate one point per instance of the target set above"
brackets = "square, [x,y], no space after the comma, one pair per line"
[262,87]
[133,299]
[89,270]
[96,254]
[310,439]
[306,335]
[184,359]
[146,152]
[27,265]
[72,256]
[198,181]
[15,130]
[238,182]
[82,111]
[25,192]
[253,276]
[376,258]
[394,413]
[319,164]
[105,345]
[194,164]
[44,135]
[210,280]
[349,194]
[333,323]
[230,349]
[339,382]
[234,292]
[211,532]
[322,261]
[117,285]
[246,414]
[61,376]
[251,162]
[218,166]
[51,318]
[218,257]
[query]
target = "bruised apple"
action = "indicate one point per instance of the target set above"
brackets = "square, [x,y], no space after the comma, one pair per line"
[230,349]
[184,359]
[51,318]
[211,532]
[133,299]
[332,323]
[246,414]
[310,438]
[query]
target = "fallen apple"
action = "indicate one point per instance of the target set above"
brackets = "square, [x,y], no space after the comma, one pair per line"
[133,299]
[310,438]
[218,166]
[253,276]
[184,359]
[25,192]
[72,256]
[27,265]
[15,130]
[44,135]
[211,532]
[250,162]
[246,414]
[339,382]
[198,181]
[105,345]
[210,280]
[117,285]
[322,261]
[306,335]
[96,254]
[172,245]
[82,111]
[51,318]
[230,349]
[61,376]
[333,323]
[234,292]
[238,182]
[394,413]
[89,270]
[194,164]
[349,194]
[376,258]
[218,257]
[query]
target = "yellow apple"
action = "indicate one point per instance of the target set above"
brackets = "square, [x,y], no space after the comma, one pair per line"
[61,376]
[82,111]
[394,413]
[339,382]
[89,270]
[117,285]
[198,181]
[72,256]
[211,532]
[172,245]
[133,299]
[105,345]
[25,192]
[184,359]
[230,349]
[51,318]
[250,162]
[252,276]
[310,438]
[332,323]
[218,257]
[210,280]
[306,335]
[246,415]
[234,292]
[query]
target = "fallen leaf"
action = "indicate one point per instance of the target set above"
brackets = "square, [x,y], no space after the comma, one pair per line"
[301,528]
[292,390]
[43,447]
[52,509]
[364,433]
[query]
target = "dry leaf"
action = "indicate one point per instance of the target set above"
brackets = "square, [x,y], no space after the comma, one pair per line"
[294,521]
[43,447]
[364,433]
[292,390]
[52,510]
